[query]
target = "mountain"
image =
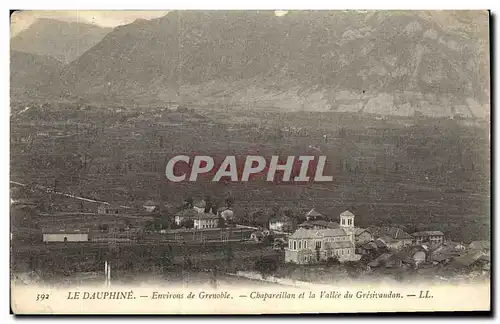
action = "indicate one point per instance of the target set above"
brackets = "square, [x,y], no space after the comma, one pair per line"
[34,76]
[382,62]
[64,41]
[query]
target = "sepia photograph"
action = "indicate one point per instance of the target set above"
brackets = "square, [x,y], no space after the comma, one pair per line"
[249,161]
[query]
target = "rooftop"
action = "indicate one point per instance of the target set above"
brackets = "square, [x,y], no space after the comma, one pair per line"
[200,203]
[313,213]
[64,230]
[393,232]
[428,233]
[187,213]
[151,203]
[317,233]
[359,230]
[202,216]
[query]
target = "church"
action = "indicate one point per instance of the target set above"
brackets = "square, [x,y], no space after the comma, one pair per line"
[315,245]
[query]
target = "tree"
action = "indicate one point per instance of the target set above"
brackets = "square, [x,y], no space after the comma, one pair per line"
[165,221]
[333,260]
[268,239]
[229,201]
[104,228]
[187,223]
[228,253]
[149,225]
[188,203]
[221,223]
[208,204]
[266,266]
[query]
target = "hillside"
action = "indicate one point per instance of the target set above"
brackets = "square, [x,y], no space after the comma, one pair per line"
[34,76]
[391,63]
[64,41]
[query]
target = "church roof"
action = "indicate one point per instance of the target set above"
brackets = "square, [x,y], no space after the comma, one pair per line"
[303,233]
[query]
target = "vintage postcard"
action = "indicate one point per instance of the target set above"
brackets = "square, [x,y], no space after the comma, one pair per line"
[249,162]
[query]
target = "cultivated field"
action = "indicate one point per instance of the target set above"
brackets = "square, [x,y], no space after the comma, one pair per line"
[414,172]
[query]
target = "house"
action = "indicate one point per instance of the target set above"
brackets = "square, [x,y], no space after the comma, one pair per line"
[313,215]
[280,223]
[413,255]
[392,243]
[362,236]
[433,238]
[226,213]
[200,205]
[393,237]
[108,209]
[206,220]
[367,248]
[65,235]
[444,254]
[380,244]
[312,245]
[151,206]
[185,214]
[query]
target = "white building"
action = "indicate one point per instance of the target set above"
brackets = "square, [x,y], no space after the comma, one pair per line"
[206,220]
[280,223]
[185,214]
[65,235]
[315,245]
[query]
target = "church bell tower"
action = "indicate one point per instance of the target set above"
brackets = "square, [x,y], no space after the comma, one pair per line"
[347,223]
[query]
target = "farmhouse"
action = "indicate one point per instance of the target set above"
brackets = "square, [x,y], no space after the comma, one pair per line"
[65,235]
[185,214]
[433,238]
[226,213]
[362,236]
[280,223]
[206,220]
[151,206]
[313,215]
[393,237]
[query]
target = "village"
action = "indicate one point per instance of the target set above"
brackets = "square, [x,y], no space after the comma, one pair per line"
[317,238]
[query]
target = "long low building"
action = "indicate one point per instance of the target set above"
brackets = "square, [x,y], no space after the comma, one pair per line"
[65,235]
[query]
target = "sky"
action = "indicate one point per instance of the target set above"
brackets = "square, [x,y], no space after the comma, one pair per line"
[21,20]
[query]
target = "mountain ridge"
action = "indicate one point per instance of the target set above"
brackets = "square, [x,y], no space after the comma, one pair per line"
[62,40]
[395,63]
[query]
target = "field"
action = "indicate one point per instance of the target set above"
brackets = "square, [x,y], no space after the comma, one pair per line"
[417,173]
